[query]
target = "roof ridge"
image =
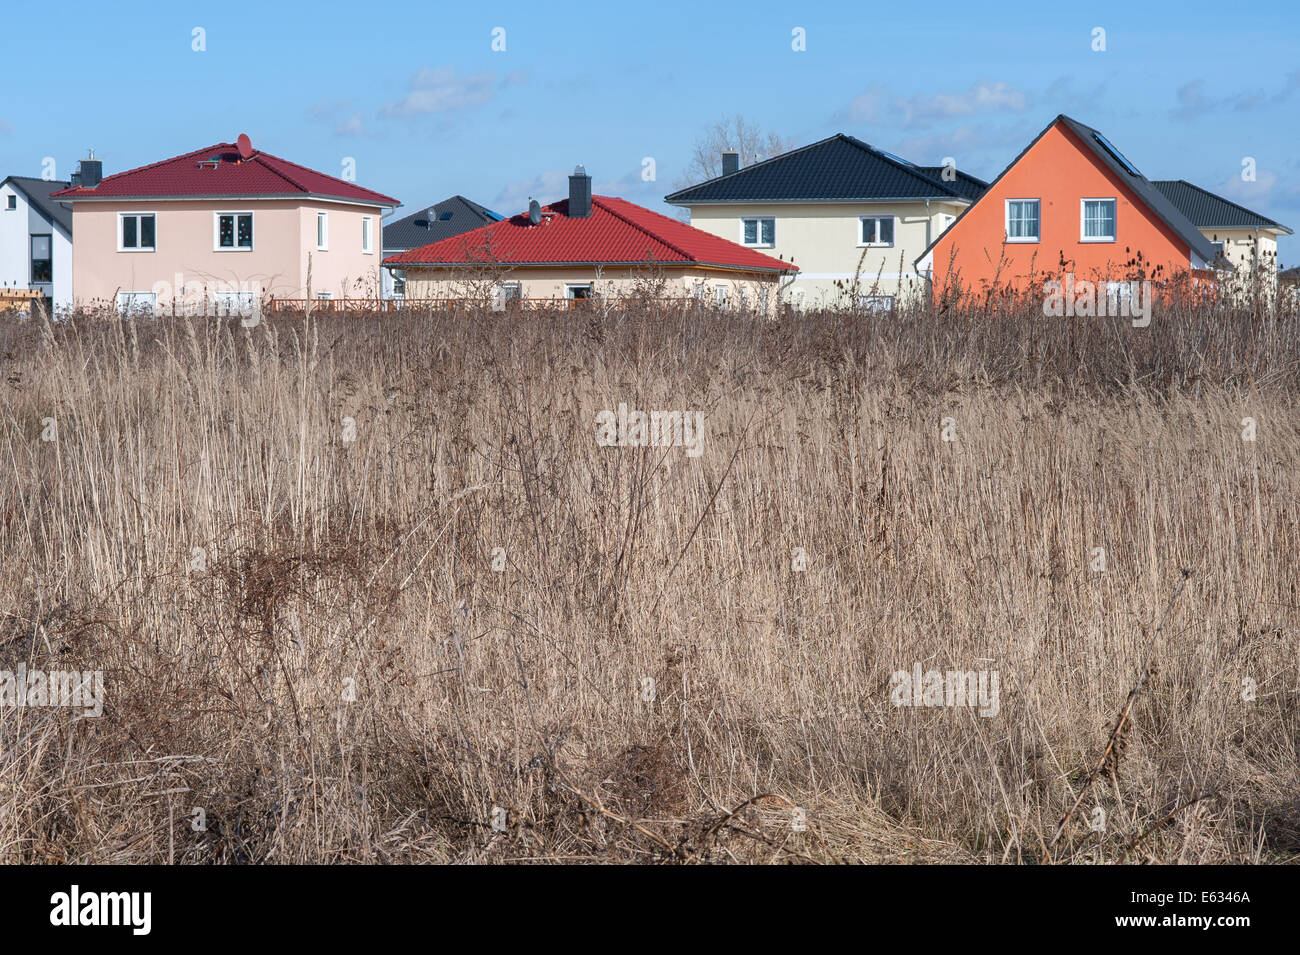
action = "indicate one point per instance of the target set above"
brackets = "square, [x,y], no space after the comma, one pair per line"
[900,163]
[640,228]
[35,179]
[315,172]
[262,156]
[761,162]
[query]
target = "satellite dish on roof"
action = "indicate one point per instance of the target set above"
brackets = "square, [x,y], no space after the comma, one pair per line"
[534,211]
[245,146]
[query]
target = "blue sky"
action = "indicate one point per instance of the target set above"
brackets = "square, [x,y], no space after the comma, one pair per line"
[415,94]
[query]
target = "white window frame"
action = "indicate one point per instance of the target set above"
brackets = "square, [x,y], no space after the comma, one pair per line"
[399,278]
[720,296]
[367,235]
[324,296]
[569,288]
[758,232]
[1119,295]
[322,231]
[216,231]
[1006,221]
[876,304]
[32,260]
[127,305]
[877,219]
[11,202]
[231,302]
[1083,226]
[136,215]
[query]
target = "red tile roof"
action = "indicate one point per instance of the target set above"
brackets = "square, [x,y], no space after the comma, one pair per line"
[189,176]
[617,232]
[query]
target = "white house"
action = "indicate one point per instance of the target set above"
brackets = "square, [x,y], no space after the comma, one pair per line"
[851,217]
[36,239]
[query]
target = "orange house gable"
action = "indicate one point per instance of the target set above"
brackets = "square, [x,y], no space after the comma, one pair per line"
[1069,204]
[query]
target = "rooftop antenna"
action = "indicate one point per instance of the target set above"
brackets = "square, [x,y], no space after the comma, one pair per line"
[534,211]
[245,146]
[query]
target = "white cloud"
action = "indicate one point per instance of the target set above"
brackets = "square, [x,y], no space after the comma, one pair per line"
[876,104]
[1192,102]
[352,126]
[962,142]
[443,90]
[1252,195]
[547,186]
[552,185]
[980,98]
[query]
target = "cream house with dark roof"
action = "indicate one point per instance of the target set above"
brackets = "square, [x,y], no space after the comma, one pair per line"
[850,216]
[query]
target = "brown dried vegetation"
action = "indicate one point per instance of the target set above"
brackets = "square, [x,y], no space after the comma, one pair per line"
[308,655]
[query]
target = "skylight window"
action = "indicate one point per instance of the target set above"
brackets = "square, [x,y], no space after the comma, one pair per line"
[898,159]
[1116,154]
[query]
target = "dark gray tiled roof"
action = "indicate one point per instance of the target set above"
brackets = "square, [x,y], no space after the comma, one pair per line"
[38,192]
[1208,211]
[840,168]
[450,217]
[965,184]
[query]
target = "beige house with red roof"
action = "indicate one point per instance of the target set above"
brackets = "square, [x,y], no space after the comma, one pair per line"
[587,247]
[220,228]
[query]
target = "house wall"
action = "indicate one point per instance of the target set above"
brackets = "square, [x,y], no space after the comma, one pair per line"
[15,268]
[185,267]
[343,270]
[550,283]
[1059,171]
[1247,250]
[823,240]
[1243,247]
[17,226]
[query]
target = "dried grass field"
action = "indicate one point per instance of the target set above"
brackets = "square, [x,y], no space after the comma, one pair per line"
[367,589]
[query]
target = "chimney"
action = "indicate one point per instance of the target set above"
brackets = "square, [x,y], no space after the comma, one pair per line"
[730,162]
[90,171]
[579,194]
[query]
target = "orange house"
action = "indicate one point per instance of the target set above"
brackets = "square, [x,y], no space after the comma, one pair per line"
[1069,205]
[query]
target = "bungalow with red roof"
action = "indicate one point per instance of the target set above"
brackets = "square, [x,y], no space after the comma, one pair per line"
[589,246]
[1071,204]
[222,227]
